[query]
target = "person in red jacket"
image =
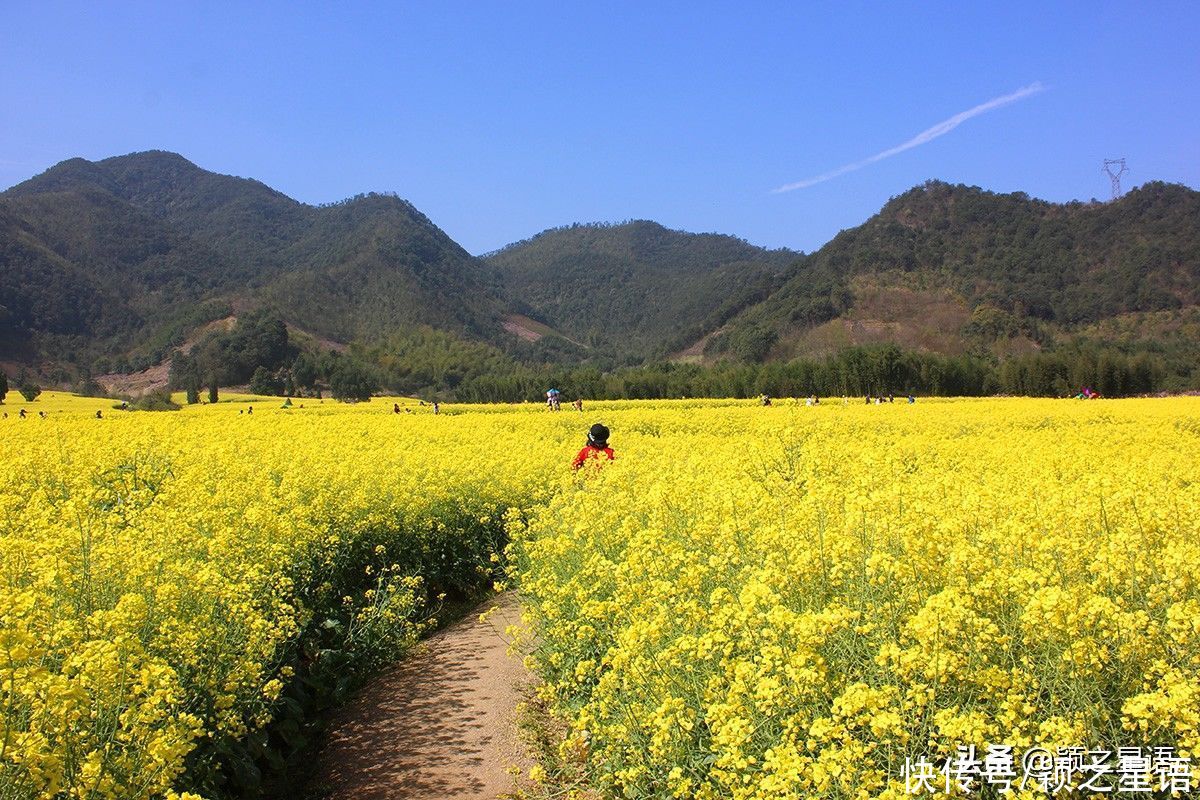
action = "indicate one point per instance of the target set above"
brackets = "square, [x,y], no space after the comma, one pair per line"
[596,448]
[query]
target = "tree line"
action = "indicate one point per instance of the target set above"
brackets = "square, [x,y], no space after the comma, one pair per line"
[855,371]
[433,364]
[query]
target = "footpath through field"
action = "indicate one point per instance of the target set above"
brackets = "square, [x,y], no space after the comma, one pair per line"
[441,723]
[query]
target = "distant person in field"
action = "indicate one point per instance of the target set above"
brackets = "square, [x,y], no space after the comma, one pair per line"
[98,414]
[437,409]
[765,400]
[596,450]
[22,413]
[578,405]
[395,408]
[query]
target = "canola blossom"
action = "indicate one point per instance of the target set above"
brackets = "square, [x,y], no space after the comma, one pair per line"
[795,602]
[167,579]
[748,602]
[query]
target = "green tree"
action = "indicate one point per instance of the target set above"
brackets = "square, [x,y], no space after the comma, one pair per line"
[28,388]
[304,371]
[752,344]
[193,389]
[352,382]
[263,382]
[87,386]
[212,389]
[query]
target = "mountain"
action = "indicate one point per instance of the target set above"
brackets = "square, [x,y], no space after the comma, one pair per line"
[953,268]
[114,264]
[127,254]
[636,288]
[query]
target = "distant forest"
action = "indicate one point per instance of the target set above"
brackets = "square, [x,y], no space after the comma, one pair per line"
[436,365]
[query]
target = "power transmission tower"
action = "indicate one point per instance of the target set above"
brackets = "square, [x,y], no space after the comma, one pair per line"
[1109,164]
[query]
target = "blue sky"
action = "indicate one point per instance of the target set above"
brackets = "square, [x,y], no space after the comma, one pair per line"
[500,120]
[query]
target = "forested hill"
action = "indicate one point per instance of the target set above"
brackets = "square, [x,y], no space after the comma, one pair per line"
[637,288]
[127,255]
[111,266]
[955,268]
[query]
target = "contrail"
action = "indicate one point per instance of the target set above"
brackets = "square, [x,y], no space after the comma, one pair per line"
[928,135]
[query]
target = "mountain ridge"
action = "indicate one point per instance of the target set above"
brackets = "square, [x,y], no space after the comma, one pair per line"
[114,263]
[1031,265]
[638,281]
[133,221]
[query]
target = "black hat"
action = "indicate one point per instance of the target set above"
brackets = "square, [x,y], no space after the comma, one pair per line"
[598,435]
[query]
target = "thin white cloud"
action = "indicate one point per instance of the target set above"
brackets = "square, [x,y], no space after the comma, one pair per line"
[927,135]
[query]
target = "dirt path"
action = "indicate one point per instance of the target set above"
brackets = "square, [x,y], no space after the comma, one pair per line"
[441,723]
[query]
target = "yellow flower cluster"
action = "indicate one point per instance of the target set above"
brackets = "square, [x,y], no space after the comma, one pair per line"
[158,572]
[791,601]
[749,602]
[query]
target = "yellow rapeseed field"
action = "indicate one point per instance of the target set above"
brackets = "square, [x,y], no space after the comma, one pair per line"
[793,601]
[163,576]
[749,602]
